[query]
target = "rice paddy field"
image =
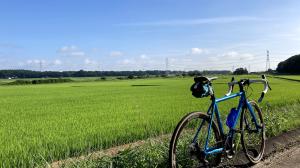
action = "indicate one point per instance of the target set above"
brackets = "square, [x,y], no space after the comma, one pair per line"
[40,124]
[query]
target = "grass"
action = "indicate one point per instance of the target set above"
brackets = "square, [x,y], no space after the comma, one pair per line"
[154,153]
[44,123]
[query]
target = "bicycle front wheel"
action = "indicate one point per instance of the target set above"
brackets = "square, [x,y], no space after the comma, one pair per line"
[184,151]
[252,135]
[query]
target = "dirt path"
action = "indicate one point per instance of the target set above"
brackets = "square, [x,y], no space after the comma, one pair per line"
[289,158]
[98,154]
[280,151]
[108,152]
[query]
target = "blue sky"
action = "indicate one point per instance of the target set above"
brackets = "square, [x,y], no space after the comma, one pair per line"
[141,34]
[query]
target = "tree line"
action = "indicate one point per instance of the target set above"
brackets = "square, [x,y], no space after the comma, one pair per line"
[291,65]
[83,73]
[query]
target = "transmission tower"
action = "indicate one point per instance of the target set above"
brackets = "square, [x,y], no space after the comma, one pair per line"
[41,66]
[167,64]
[268,61]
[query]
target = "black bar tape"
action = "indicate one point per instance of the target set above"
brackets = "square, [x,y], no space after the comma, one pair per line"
[261,97]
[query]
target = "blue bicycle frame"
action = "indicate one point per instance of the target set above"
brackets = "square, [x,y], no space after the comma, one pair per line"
[213,109]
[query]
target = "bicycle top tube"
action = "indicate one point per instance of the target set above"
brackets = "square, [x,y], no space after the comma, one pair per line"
[228,97]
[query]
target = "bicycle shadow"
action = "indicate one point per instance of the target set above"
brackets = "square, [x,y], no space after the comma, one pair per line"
[238,161]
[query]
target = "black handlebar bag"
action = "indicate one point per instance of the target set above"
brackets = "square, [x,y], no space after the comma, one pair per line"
[201,88]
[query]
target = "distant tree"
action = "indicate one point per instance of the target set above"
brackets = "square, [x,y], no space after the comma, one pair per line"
[130,77]
[240,71]
[271,71]
[194,73]
[212,72]
[291,65]
[82,73]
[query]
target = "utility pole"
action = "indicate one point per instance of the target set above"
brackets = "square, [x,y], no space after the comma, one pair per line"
[268,61]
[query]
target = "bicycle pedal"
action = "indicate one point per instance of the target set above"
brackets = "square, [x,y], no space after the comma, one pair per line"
[229,156]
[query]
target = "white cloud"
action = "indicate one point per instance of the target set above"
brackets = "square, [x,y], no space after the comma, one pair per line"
[213,58]
[141,62]
[190,22]
[116,53]
[71,51]
[29,61]
[233,55]
[21,64]
[57,62]
[78,54]
[144,56]
[89,62]
[247,57]
[196,51]
[35,61]
[67,48]
[127,61]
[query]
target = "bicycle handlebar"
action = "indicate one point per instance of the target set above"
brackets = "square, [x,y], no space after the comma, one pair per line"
[249,81]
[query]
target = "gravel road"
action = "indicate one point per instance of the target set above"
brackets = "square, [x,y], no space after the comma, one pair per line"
[288,158]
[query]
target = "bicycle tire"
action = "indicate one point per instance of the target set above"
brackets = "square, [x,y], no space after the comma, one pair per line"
[178,131]
[252,154]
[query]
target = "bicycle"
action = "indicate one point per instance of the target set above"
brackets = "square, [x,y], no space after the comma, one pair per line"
[192,144]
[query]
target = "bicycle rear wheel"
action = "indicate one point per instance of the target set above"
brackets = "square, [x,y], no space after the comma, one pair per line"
[183,152]
[253,139]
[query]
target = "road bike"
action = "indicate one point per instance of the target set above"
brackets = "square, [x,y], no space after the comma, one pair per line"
[199,140]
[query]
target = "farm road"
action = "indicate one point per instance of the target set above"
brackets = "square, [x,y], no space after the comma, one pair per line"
[288,158]
[281,151]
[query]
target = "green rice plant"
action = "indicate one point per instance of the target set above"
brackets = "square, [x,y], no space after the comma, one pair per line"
[44,123]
